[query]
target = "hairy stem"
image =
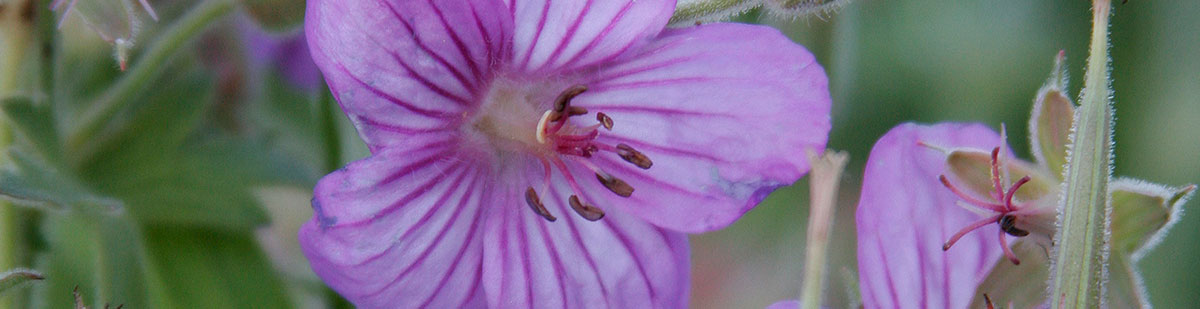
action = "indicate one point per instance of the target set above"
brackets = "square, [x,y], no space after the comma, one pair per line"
[1079,266]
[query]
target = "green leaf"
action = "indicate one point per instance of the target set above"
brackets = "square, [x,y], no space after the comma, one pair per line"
[222,269]
[1142,213]
[1024,286]
[102,256]
[276,15]
[33,183]
[1050,123]
[16,277]
[34,125]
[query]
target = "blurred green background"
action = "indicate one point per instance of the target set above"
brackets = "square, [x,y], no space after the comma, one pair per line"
[230,144]
[931,61]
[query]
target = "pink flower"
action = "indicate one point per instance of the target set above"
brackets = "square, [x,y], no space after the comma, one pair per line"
[906,216]
[547,153]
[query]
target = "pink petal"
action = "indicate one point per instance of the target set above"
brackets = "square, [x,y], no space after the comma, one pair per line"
[402,67]
[401,229]
[785,304]
[905,215]
[565,35]
[725,111]
[618,261]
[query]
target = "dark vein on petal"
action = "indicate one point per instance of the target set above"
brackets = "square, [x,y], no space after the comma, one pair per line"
[416,192]
[395,101]
[656,110]
[406,233]
[419,77]
[661,82]
[568,36]
[603,33]
[523,248]
[399,129]
[537,35]
[433,246]
[887,272]
[559,269]
[633,253]
[642,68]
[462,48]
[462,205]
[655,148]
[578,241]
[921,258]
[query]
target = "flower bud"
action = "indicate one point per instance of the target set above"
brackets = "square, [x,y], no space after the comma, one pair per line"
[116,21]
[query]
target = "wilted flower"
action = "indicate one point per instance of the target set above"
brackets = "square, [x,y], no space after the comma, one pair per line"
[480,186]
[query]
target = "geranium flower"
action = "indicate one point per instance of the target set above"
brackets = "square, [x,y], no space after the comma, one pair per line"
[547,153]
[906,216]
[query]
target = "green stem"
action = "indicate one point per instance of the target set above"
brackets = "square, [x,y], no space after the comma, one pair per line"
[710,9]
[16,40]
[1079,272]
[119,97]
[823,183]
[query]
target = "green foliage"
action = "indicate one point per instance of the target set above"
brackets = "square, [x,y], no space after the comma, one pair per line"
[218,269]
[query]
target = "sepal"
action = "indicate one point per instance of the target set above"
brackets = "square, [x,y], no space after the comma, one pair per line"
[1050,122]
[1142,213]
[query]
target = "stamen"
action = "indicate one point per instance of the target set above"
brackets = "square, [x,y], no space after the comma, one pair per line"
[589,212]
[1012,257]
[633,156]
[576,111]
[988,301]
[968,198]
[616,185]
[535,203]
[564,99]
[1008,224]
[969,228]
[996,174]
[1012,191]
[605,120]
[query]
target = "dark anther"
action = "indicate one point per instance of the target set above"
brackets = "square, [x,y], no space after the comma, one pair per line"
[1008,224]
[564,99]
[589,212]
[988,301]
[535,203]
[616,185]
[576,111]
[633,156]
[604,121]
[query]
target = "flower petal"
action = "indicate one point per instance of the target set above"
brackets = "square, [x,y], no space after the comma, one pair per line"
[905,215]
[725,111]
[565,35]
[404,67]
[401,229]
[618,261]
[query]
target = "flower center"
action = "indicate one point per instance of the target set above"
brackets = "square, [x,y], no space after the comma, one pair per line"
[511,123]
[1007,211]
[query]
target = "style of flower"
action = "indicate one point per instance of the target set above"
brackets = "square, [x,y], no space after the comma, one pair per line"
[479,191]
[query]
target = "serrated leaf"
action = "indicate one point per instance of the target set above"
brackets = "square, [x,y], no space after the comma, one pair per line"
[223,269]
[1023,286]
[34,125]
[34,183]
[1141,211]
[1125,287]
[16,277]
[973,168]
